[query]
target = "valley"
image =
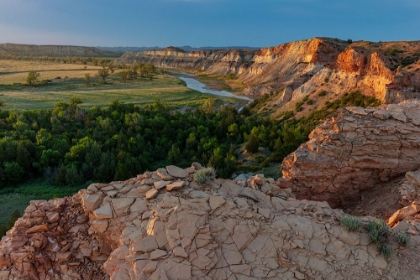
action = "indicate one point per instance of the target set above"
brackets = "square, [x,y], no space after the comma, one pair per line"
[297,161]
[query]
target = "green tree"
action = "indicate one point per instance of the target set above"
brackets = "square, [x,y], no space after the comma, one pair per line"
[252,145]
[174,155]
[32,77]
[103,73]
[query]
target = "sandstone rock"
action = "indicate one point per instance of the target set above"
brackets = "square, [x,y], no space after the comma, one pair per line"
[152,193]
[197,234]
[216,202]
[104,212]
[175,186]
[121,205]
[413,177]
[340,160]
[146,245]
[92,201]
[100,226]
[163,174]
[157,254]
[177,172]
[161,184]
[40,228]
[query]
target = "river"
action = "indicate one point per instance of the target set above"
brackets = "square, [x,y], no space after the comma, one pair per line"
[194,84]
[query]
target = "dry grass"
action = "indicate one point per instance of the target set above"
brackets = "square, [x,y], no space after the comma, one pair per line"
[17,95]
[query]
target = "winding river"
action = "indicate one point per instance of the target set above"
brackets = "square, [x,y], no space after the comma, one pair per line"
[192,83]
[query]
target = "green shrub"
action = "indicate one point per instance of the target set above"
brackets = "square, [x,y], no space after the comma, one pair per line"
[322,93]
[378,231]
[385,250]
[204,174]
[351,223]
[403,239]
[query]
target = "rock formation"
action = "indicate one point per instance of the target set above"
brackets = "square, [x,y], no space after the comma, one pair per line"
[354,150]
[163,225]
[386,70]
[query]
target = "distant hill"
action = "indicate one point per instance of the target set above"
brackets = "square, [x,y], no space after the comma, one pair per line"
[185,48]
[54,50]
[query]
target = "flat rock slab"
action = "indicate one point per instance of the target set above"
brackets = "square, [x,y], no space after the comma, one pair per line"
[157,254]
[152,193]
[92,201]
[146,245]
[176,172]
[161,184]
[104,212]
[163,174]
[216,202]
[121,205]
[175,186]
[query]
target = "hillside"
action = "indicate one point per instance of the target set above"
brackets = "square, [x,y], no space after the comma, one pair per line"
[53,50]
[320,69]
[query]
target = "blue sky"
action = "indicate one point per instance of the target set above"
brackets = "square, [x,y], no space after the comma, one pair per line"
[204,22]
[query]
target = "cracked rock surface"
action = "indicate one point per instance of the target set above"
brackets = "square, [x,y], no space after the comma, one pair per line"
[218,230]
[354,150]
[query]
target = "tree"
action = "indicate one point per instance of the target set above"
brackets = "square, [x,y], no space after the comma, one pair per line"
[103,73]
[32,77]
[87,78]
[251,145]
[2,103]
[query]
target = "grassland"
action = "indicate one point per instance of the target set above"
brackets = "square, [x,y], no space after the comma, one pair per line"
[221,82]
[67,80]
[19,197]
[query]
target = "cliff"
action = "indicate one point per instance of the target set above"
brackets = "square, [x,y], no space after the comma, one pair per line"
[53,50]
[164,225]
[355,150]
[386,70]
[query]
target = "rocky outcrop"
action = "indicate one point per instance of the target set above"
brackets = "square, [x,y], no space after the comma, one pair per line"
[163,225]
[53,50]
[306,68]
[354,150]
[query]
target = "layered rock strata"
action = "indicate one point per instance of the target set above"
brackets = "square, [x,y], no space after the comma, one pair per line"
[163,225]
[354,150]
[386,70]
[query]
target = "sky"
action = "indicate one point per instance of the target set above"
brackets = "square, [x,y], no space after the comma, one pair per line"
[199,23]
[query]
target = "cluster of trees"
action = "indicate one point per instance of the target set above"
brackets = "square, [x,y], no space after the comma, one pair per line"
[68,145]
[68,59]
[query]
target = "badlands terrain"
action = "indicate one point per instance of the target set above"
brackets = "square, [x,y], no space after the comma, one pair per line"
[170,224]
[166,225]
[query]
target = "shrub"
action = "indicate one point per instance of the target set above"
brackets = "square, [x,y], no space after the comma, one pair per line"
[351,223]
[403,239]
[378,231]
[204,174]
[385,250]
[322,93]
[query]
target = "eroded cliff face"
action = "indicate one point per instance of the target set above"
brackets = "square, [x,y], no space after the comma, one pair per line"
[163,225]
[305,68]
[355,150]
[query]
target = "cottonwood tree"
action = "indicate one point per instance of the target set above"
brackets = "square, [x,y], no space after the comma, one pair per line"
[103,73]
[87,78]
[32,77]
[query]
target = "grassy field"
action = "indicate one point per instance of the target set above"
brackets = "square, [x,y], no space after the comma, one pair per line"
[67,80]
